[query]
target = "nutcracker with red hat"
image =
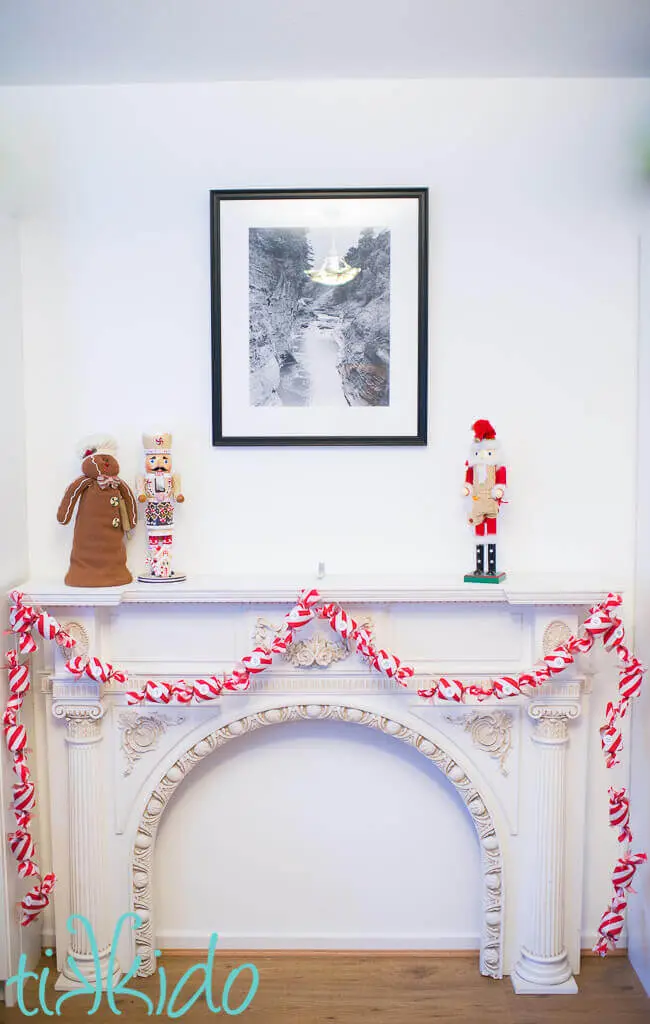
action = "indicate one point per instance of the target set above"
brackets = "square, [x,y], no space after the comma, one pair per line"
[160,489]
[485,485]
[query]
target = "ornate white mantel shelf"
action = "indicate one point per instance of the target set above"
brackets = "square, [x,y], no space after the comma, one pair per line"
[516,589]
[124,764]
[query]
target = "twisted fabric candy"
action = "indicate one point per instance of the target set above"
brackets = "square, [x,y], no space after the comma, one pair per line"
[15,738]
[619,813]
[339,620]
[625,871]
[611,925]
[21,768]
[207,689]
[611,741]
[27,869]
[239,679]
[27,644]
[506,686]
[36,900]
[21,845]
[630,679]
[24,797]
[47,625]
[450,689]
[258,660]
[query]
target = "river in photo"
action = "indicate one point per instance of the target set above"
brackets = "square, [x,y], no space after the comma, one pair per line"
[311,377]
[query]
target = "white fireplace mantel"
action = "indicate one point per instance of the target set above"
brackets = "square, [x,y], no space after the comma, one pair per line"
[124,764]
[516,589]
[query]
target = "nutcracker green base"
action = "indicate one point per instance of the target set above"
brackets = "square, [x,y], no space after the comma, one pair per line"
[473,577]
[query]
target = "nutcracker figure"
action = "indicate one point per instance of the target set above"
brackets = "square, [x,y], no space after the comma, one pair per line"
[160,489]
[485,484]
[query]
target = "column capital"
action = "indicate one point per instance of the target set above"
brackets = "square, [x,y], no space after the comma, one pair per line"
[83,719]
[552,719]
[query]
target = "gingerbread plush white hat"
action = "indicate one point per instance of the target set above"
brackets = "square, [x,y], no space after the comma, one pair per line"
[97,444]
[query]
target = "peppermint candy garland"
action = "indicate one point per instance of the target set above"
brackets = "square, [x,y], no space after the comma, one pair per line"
[23,619]
[251,664]
[100,671]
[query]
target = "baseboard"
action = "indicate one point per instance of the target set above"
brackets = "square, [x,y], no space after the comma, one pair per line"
[621,951]
[446,944]
[185,943]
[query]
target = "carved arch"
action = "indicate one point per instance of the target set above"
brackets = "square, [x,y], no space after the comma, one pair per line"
[491,950]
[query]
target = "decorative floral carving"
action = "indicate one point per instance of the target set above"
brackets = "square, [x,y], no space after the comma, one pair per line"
[557,632]
[316,651]
[79,634]
[140,735]
[491,955]
[490,732]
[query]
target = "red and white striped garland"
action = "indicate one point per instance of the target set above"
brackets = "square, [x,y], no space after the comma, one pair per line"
[601,621]
[23,620]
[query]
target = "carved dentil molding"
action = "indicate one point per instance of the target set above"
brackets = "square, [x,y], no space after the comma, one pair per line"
[141,735]
[317,650]
[490,732]
[491,955]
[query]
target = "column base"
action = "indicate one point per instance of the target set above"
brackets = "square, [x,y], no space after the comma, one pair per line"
[67,980]
[543,975]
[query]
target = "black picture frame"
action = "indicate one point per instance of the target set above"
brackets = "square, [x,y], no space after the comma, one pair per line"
[258,241]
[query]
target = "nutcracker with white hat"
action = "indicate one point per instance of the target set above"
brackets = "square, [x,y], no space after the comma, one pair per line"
[485,485]
[160,490]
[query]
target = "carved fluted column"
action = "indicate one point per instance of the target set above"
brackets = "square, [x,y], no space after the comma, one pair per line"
[86,823]
[543,966]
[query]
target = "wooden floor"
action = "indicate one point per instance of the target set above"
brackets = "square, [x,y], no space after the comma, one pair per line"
[386,989]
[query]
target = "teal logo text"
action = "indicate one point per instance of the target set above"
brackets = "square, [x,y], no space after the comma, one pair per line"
[171,1006]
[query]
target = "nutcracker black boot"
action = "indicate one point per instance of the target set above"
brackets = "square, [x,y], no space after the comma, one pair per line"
[492,559]
[480,560]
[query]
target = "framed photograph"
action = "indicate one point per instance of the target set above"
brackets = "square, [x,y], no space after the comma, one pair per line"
[319,316]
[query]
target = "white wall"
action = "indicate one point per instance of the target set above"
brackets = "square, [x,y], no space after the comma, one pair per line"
[534,218]
[13,563]
[639,913]
[314,842]
[533,227]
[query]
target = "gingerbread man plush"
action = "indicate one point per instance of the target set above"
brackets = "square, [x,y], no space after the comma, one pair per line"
[107,511]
